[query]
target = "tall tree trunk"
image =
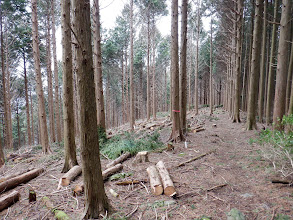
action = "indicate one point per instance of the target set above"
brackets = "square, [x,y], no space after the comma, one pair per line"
[290,74]
[282,68]
[98,70]
[183,65]
[32,119]
[95,196]
[131,108]
[50,82]
[177,134]
[56,78]
[262,65]
[154,73]
[68,104]
[41,99]
[255,66]
[18,128]
[197,63]
[148,70]
[271,67]
[2,159]
[236,115]
[211,69]
[27,102]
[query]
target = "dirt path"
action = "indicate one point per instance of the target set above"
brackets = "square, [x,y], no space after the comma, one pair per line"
[235,163]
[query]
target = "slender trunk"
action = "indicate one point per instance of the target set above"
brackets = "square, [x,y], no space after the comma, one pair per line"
[98,70]
[32,119]
[148,71]
[154,73]
[290,74]
[68,103]
[271,67]
[41,99]
[56,78]
[211,69]
[262,65]
[27,102]
[183,65]
[282,68]
[50,82]
[132,117]
[18,128]
[255,66]
[197,63]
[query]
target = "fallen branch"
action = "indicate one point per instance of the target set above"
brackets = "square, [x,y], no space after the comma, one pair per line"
[196,158]
[59,215]
[198,130]
[216,187]
[13,175]
[79,188]
[168,185]
[282,181]
[9,199]
[120,159]
[129,182]
[13,182]
[70,175]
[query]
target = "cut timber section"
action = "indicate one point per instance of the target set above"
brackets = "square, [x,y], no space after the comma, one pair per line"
[70,175]
[9,199]
[59,215]
[15,181]
[118,160]
[141,157]
[168,185]
[195,158]
[13,175]
[79,188]
[155,181]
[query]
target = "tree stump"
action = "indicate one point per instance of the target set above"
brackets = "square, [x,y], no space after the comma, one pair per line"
[141,157]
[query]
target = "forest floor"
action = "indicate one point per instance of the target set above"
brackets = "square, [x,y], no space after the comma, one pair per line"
[236,163]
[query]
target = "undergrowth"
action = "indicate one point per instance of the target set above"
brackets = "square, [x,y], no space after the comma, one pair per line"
[277,146]
[128,142]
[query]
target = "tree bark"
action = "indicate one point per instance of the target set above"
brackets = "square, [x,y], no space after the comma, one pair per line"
[255,67]
[50,81]
[148,70]
[32,119]
[70,175]
[155,180]
[68,104]
[168,185]
[197,63]
[41,99]
[211,69]
[131,108]
[271,66]
[282,68]
[290,73]
[183,65]
[177,134]
[56,78]
[154,73]
[95,196]
[9,200]
[262,65]
[98,70]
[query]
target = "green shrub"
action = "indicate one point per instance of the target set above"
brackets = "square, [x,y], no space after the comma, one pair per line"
[118,144]
[278,146]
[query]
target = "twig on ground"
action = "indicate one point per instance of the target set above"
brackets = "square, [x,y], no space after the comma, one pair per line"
[274,213]
[216,187]
[148,192]
[132,212]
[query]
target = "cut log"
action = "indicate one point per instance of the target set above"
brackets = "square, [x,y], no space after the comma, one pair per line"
[120,159]
[168,185]
[282,181]
[70,175]
[9,199]
[195,158]
[155,181]
[13,175]
[114,193]
[59,215]
[141,157]
[79,188]
[198,130]
[13,182]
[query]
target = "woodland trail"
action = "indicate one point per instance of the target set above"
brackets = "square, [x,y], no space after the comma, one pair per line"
[236,166]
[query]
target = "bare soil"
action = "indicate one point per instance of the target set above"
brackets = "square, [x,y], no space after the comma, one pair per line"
[235,162]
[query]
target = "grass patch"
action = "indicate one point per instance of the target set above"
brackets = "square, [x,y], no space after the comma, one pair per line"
[118,145]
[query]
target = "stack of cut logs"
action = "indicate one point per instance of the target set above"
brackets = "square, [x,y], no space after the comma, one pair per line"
[160,180]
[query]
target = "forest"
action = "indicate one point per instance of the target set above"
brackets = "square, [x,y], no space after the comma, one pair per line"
[130,122]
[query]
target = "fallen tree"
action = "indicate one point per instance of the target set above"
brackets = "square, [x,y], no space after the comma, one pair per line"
[118,160]
[70,175]
[79,188]
[9,199]
[23,178]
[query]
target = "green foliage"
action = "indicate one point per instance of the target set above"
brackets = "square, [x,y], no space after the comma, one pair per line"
[118,176]
[282,217]
[278,145]
[235,214]
[118,145]
[203,218]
